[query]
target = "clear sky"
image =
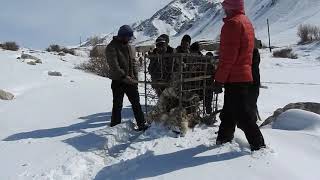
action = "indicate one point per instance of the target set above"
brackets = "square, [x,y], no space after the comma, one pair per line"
[39,23]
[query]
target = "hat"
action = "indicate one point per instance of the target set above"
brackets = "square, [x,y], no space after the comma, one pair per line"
[160,40]
[125,31]
[166,37]
[186,38]
[233,4]
[195,47]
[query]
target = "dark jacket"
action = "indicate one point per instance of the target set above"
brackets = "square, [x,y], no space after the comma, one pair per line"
[121,60]
[161,68]
[180,50]
[255,67]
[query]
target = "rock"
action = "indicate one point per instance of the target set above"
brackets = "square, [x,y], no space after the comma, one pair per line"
[32,63]
[38,61]
[307,106]
[61,54]
[54,73]
[6,95]
[28,56]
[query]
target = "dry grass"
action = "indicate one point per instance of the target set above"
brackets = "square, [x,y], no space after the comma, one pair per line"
[285,53]
[59,49]
[308,33]
[11,46]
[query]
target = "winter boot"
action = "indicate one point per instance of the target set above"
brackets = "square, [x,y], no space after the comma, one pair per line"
[143,127]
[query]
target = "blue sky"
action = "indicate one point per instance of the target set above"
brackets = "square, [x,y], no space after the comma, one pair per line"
[39,23]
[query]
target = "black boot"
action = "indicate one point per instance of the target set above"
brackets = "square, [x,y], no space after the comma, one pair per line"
[221,141]
[257,144]
[143,127]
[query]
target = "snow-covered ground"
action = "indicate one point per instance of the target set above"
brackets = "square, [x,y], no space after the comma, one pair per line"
[56,128]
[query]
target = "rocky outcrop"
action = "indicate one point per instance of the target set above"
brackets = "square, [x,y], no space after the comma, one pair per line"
[6,95]
[307,106]
[28,56]
[32,63]
[54,73]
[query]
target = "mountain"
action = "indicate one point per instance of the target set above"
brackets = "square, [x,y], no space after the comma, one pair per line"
[177,17]
[202,19]
[174,19]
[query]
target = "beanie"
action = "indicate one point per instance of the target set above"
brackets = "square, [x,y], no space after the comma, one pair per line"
[233,4]
[125,31]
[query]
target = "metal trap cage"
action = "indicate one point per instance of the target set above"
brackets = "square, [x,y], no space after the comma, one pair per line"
[186,78]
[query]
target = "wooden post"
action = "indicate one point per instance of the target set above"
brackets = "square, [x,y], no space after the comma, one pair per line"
[269,35]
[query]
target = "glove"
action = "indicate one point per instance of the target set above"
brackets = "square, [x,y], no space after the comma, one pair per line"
[129,80]
[217,87]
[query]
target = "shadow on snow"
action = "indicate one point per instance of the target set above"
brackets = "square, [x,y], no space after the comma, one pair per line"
[149,165]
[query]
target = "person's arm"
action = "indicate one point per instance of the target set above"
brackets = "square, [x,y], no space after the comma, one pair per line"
[255,67]
[229,49]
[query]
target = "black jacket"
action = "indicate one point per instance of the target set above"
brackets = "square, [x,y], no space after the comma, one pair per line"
[255,67]
[121,60]
[161,68]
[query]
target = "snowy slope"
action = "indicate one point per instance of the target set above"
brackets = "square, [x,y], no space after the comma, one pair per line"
[284,16]
[55,128]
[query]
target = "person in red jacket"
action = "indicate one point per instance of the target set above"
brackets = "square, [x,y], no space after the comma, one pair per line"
[234,72]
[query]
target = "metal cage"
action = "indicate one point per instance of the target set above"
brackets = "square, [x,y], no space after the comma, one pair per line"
[190,76]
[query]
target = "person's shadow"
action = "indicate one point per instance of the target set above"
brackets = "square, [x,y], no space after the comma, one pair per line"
[88,122]
[149,165]
[89,138]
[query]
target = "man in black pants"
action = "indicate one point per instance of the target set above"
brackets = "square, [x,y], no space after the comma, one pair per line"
[121,59]
[234,71]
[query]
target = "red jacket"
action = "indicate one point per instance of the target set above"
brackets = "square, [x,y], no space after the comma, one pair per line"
[236,50]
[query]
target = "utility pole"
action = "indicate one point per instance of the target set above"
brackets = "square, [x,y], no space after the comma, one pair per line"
[80,42]
[269,35]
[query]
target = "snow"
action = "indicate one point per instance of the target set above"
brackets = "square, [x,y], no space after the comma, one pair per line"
[298,120]
[57,127]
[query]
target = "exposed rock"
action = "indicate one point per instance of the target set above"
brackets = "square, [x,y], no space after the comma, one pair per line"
[307,106]
[32,63]
[6,95]
[61,54]
[38,61]
[28,56]
[54,73]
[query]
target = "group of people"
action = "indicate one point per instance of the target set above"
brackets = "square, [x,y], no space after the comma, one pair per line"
[162,69]
[235,73]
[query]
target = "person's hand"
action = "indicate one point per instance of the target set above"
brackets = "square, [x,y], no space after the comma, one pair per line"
[217,87]
[130,80]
